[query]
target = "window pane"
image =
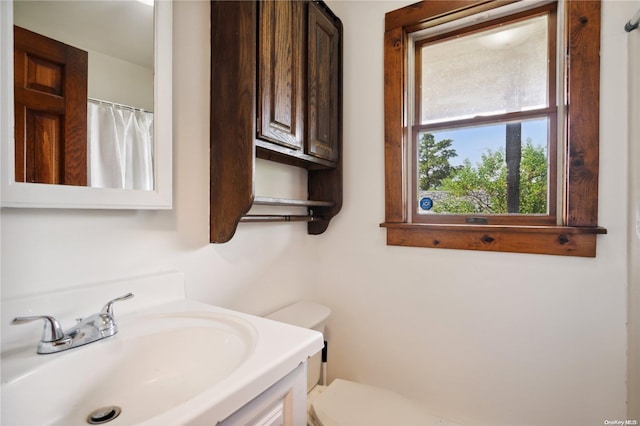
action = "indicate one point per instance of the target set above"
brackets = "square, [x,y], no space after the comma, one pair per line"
[465,170]
[496,71]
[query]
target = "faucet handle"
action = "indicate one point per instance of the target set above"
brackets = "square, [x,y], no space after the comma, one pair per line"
[52,331]
[108,308]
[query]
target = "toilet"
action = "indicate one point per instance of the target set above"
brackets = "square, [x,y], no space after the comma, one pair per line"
[346,403]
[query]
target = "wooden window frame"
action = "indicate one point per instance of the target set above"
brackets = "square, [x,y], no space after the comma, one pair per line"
[577,230]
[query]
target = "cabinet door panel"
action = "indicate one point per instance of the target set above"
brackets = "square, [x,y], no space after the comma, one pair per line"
[322,89]
[281,72]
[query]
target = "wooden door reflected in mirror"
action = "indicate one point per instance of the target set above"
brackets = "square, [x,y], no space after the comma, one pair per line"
[50,89]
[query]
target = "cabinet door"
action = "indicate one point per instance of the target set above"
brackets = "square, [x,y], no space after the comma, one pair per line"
[284,404]
[323,85]
[281,72]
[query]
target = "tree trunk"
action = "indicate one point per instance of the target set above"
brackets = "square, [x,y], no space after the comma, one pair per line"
[513,157]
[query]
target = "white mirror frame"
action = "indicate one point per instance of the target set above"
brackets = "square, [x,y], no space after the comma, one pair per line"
[19,194]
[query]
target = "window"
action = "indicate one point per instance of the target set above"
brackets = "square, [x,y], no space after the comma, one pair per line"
[484,129]
[485,148]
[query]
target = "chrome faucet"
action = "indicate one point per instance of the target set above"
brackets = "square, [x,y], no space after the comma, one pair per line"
[87,330]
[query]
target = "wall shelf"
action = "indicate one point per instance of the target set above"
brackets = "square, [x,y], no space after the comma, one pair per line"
[268,201]
[252,218]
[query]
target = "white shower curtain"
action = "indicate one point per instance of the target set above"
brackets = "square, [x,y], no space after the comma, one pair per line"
[120,147]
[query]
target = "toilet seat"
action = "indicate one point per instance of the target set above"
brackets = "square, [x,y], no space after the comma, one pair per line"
[345,403]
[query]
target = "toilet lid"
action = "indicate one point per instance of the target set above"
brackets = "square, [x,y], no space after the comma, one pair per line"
[345,403]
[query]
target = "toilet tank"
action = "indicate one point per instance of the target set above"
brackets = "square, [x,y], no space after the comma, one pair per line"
[308,315]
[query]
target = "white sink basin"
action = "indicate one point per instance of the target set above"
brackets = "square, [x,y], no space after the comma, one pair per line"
[154,363]
[173,361]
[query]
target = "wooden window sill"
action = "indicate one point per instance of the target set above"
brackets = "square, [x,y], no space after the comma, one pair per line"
[554,240]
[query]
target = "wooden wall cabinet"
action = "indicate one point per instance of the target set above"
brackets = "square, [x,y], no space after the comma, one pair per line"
[276,94]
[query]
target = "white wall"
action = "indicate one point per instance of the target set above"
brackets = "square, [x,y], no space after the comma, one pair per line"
[122,82]
[481,338]
[633,315]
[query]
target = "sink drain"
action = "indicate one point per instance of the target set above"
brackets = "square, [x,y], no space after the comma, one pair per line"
[103,415]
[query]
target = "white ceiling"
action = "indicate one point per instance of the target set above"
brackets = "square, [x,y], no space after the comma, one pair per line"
[120,28]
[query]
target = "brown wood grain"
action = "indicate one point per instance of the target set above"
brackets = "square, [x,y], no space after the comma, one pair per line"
[50,89]
[281,72]
[233,112]
[325,184]
[323,71]
[394,126]
[75,123]
[583,31]
[564,241]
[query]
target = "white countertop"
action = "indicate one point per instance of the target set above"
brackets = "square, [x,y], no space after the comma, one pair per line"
[276,348]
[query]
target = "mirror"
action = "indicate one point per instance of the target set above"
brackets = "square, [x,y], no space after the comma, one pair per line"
[148,94]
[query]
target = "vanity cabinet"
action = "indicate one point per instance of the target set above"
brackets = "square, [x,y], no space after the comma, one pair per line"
[276,94]
[282,404]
